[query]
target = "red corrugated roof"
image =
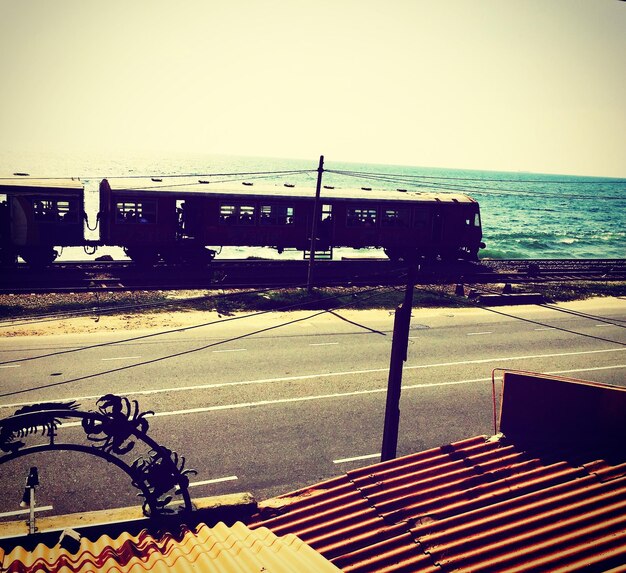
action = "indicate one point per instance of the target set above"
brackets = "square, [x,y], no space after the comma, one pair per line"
[481,504]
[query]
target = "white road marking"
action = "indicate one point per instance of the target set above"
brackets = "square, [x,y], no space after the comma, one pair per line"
[10,366]
[479,333]
[604,325]
[323,344]
[240,405]
[229,350]
[357,458]
[26,511]
[336,374]
[120,358]
[208,481]
[354,393]
[547,328]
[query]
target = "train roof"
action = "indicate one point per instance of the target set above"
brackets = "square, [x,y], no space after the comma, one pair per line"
[23,184]
[180,188]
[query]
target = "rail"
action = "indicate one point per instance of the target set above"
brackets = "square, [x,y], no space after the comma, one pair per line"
[235,273]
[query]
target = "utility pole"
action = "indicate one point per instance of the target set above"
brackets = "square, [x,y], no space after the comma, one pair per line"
[399,347]
[316,215]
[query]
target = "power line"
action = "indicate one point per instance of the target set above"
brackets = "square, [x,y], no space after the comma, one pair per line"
[177,354]
[476,189]
[182,328]
[489,309]
[608,180]
[579,314]
[161,176]
[97,310]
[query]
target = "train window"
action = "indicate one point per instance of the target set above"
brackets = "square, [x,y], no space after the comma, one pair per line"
[228,214]
[44,210]
[359,217]
[394,218]
[246,214]
[135,212]
[237,214]
[55,210]
[472,220]
[276,215]
[68,212]
[420,217]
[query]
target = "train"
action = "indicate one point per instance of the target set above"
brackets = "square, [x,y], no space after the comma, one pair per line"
[183,222]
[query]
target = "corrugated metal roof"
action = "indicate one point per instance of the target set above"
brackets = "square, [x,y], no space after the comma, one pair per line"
[481,504]
[218,549]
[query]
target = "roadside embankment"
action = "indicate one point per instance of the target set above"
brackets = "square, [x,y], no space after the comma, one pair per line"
[44,314]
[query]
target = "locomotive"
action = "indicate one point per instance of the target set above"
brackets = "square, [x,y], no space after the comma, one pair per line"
[185,222]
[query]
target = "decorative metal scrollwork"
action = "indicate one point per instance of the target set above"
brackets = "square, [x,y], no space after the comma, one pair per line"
[111,432]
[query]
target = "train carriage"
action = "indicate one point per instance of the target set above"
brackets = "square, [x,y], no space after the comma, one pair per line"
[152,220]
[38,215]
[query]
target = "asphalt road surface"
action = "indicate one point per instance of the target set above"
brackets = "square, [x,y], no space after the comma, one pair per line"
[296,404]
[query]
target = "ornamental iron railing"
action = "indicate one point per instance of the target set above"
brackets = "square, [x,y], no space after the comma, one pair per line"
[116,432]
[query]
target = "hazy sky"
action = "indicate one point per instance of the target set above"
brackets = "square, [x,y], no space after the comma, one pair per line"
[534,85]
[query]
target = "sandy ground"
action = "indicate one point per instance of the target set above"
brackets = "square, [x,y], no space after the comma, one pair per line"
[156,321]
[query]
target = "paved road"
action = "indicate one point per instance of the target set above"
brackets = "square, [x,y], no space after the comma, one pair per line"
[293,405]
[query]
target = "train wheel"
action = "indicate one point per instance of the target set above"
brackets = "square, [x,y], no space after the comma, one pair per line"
[142,256]
[394,255]
[189,254]
[450,256]
[403,255]
[39,256]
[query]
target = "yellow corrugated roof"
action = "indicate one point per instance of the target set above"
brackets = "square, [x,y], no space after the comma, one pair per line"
[219,549]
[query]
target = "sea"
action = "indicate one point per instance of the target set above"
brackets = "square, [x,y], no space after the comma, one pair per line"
[524,215]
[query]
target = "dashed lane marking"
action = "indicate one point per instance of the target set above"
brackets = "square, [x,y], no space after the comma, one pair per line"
[356,458]
[323,344]
[479,333]
[120,358]
[344,373]
[215,480]
[240,405]
[229,350]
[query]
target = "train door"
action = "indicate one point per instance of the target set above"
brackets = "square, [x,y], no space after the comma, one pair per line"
[325,226]
[181,218]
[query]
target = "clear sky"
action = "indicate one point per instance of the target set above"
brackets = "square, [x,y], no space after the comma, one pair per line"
[531,85]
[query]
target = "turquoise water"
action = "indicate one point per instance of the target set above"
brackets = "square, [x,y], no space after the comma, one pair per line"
[524,215]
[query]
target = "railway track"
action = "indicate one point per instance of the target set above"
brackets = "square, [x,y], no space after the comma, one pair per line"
[235,273]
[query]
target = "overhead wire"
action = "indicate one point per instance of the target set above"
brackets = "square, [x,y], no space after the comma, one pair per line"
[608,180]
[98,310]
[174,330]
[543,324]
[547,306]
[424,182]
[161,176]
[179,354]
